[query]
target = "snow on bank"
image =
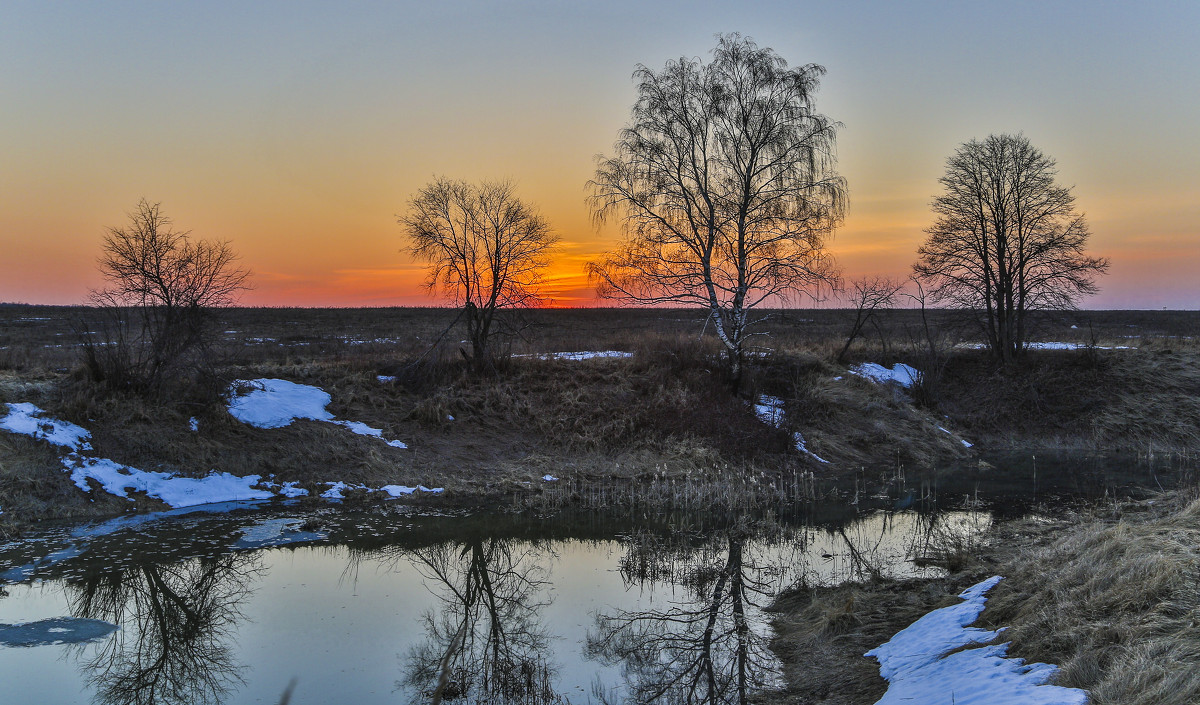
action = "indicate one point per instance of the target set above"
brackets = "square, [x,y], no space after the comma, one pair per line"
[901,374]
[336,488]
[769,410]
[1050,346]
[915,664]
[582,355]
[966,444]
[26,419]
[275,403]
[177,492]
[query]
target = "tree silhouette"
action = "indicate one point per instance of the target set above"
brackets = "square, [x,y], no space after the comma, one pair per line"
[1007,240]
[486,249]
[724,182]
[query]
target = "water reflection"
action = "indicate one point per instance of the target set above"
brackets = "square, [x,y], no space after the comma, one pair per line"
[706,648]
[680,601]
[176,620]
[485,641]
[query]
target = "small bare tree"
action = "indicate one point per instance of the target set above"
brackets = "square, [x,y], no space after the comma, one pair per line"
[724,181]
[162,288]
[868,295]
[1007,240]
[486,249]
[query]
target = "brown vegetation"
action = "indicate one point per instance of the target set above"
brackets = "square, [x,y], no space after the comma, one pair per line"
[659,427]
[1109,595]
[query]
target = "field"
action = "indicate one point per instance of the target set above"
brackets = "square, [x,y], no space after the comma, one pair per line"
[659,427]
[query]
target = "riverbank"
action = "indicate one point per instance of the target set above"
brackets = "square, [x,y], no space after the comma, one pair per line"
[1108,595]
[647,421]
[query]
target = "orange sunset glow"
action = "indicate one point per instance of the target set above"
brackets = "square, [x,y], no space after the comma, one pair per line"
[300,135]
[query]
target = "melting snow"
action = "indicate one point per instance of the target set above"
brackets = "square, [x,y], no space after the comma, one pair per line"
[946,430]
[798,439]
[400,490]
[902,374]
[275,403]
[24,419]
[915,664]
[177,492]
[1051,346]
[770,410]
[582,355]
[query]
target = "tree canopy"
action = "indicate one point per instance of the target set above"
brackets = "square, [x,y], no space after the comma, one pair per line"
[1007,239]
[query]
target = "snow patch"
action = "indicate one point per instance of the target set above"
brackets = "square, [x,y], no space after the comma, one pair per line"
[26,419]
[769,410]
[581,355]
[798,439]
[290,490]
[401,490]
[118,479]
[275,403]
[902,374]
[965,443]
[915,664]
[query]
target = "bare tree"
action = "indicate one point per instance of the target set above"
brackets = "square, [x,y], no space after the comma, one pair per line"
[868,295]
[1007,240]
[724,182]
[162,288]
[486,249]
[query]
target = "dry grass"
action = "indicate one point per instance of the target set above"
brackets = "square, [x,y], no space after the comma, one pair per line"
[1144,400]
[1110,595]
[1115,603]
[661,425]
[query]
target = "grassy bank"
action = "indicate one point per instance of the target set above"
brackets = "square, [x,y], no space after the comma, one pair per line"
[658,427]
[1109,595]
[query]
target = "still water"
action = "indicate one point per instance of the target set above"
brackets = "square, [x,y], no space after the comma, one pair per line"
[241,604]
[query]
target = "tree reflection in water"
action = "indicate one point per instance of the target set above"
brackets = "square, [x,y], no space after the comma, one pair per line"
[176,621]
[486,644]
[707,649]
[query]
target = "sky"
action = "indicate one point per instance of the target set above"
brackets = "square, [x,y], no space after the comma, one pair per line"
[298,131]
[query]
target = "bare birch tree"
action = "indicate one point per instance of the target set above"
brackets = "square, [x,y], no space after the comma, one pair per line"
[724,182]
[486,249]
[1007,240]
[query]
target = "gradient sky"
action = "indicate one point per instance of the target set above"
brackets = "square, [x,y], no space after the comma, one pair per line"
[298,131]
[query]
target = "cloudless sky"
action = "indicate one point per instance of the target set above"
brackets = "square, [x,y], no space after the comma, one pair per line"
[298,131]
